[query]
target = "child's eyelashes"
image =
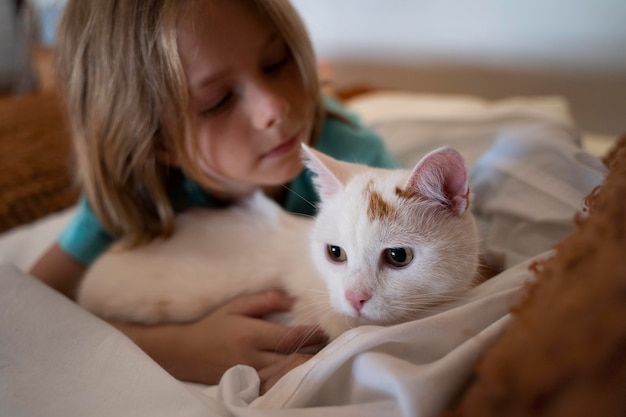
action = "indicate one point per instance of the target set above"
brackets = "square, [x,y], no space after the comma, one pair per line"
[277,65]
[279,58]
[218,106]
[217,103]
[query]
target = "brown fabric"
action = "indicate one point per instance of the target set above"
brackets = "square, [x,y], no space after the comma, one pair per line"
[564,352]
[612,154]
[35,159]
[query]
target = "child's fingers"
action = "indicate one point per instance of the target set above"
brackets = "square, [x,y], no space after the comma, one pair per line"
[283,339]
[268,336]
[270,374]
[278,338]
[272,360]
[261,335]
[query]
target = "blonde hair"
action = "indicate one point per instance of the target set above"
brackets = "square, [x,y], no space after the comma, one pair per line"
[126,96]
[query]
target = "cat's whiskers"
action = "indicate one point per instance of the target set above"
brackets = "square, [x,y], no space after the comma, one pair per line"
[307,318]
[318,306]
[419,305]
[299,196]
[427,300]
[307,289]
[309,303]
[300,347]
[310,316]
[314,308]
[314,297]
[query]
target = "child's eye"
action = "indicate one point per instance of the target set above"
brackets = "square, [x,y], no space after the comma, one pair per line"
[218,106]
[276,65]
[279,57]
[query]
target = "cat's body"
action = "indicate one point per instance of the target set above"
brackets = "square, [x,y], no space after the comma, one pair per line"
[386,246]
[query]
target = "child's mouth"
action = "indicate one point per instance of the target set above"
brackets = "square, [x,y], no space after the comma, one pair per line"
[283,148]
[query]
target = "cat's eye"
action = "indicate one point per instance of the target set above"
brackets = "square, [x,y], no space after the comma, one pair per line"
[336,253]
[398,257]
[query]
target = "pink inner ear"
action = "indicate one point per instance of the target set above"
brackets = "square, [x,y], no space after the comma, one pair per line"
[330,175]
[441,175]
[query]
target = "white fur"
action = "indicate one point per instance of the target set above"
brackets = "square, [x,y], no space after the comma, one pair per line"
[215,255]
[445,252]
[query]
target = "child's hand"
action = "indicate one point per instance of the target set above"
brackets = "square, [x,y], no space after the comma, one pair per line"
[203,350]
[235,334]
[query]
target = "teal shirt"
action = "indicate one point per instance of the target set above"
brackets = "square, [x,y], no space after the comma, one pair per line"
[85,238]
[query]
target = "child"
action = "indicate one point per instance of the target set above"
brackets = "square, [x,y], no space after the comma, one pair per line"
[178,103]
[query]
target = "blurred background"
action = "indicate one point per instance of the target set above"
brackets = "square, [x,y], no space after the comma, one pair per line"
[489,48]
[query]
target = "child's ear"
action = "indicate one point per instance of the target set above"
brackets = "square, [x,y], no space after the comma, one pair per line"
[441,175]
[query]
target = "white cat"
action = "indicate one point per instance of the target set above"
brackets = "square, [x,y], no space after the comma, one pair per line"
[386,247]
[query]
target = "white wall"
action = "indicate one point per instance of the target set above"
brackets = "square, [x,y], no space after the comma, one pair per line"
[494,48]
[581,33]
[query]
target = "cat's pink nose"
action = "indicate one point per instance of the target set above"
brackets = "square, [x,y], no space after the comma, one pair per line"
[357,298]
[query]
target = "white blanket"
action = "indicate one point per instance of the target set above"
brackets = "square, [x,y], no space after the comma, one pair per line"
[58,360]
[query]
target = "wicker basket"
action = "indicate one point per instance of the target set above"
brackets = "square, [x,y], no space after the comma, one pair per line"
[35,159]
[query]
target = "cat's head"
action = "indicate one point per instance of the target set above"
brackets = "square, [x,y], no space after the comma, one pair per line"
[391,244]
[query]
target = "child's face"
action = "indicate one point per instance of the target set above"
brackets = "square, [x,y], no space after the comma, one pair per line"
[247,97]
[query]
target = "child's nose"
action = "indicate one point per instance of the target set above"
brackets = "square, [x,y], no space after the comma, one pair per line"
[270,107]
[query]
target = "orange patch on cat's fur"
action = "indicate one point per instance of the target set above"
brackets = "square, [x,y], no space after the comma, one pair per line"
[407,194]
[379,209]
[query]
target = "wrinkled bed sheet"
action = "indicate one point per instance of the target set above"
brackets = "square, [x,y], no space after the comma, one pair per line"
[529,174]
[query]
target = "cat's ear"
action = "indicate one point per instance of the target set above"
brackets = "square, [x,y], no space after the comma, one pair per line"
[330,174]
[441,175]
